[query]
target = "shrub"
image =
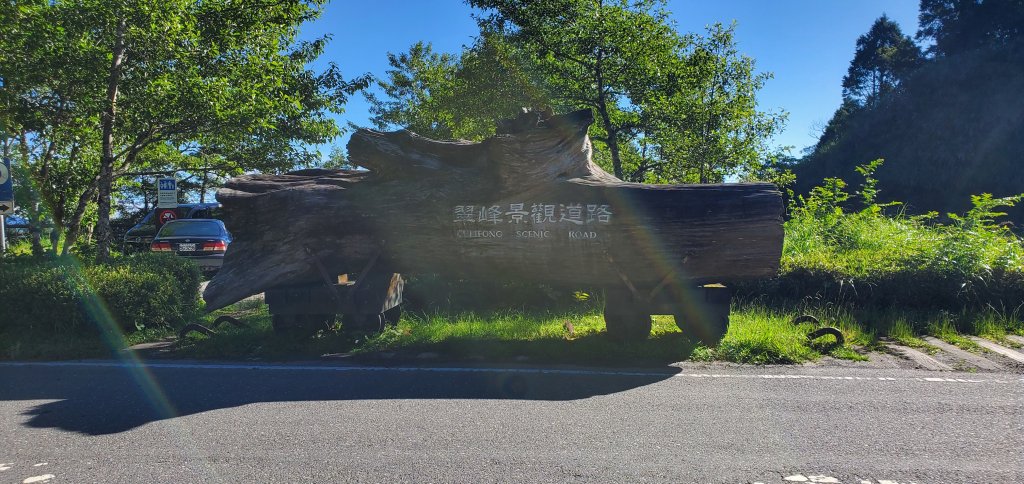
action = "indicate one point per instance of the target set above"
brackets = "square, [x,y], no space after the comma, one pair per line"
[131,298]
[184,274]
[41,296]
[62,295]
[866,256]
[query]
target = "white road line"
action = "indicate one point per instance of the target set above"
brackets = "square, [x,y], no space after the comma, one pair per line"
[823,479]
[528,371]
[814,479]
[42,478]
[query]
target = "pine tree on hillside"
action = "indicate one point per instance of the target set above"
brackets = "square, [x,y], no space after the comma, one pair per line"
[884,58]
[955,26]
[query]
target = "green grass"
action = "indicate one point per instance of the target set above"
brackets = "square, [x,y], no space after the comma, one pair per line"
[495,337]
[756,335]
[902,333]
[944,329]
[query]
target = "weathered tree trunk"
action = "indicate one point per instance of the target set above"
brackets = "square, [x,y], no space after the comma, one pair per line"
[527,204]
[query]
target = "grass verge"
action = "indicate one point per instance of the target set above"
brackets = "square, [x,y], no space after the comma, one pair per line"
[757,335]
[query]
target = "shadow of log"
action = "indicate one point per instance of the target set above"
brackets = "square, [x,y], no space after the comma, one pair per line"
[104,400]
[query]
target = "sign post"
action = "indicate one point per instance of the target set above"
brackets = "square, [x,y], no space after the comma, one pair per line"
[6,188]
[166,193]
[6,201]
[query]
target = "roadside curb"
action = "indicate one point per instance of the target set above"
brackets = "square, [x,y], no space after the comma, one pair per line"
[917,357]
[971,358]
[999,349]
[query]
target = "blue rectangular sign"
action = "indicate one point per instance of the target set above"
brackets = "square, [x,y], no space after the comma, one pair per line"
[6,183]
[168,184]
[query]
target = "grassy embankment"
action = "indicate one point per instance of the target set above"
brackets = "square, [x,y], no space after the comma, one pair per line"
[905,276]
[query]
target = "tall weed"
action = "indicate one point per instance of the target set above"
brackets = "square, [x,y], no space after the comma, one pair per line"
[844,249]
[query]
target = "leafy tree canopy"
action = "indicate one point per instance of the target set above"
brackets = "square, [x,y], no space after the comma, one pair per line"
[219,81]
[447,97]
[669,107]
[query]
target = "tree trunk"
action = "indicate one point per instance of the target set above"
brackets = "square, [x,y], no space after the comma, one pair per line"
[106,178]
[54,240]
[74,225]
[606,120]
[32,206]
[528,204]
[613,144]
[35,229]
[202,188]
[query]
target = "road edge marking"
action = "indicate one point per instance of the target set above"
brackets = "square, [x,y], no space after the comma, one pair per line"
[528,371]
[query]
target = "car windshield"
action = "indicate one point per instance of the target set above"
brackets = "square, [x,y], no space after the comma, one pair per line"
[191,228]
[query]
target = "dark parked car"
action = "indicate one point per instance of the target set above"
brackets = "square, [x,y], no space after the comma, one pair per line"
[16,227]
[201,240]
[141,235]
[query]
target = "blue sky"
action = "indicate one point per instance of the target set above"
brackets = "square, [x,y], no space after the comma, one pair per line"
[806,44]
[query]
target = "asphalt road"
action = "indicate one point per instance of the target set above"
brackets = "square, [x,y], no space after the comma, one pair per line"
[179,422]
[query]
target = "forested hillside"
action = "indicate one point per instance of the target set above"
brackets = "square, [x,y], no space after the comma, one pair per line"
[949,126]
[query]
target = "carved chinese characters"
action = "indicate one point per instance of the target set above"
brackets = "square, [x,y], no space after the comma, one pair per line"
[528,220]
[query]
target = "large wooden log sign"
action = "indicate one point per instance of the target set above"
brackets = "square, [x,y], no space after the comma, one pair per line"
[527,204]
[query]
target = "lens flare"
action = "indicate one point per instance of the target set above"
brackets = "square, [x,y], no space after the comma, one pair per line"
[646,241]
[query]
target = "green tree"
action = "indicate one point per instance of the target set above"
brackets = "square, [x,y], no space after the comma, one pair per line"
[883,60]
[678,107]
[605,55]
[412,82]
[444,96]
[709,126]
[954,26]
[338,159]
[49,115]
[218,78]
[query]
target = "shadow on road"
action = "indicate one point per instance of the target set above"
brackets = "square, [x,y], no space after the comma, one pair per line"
[103,400]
